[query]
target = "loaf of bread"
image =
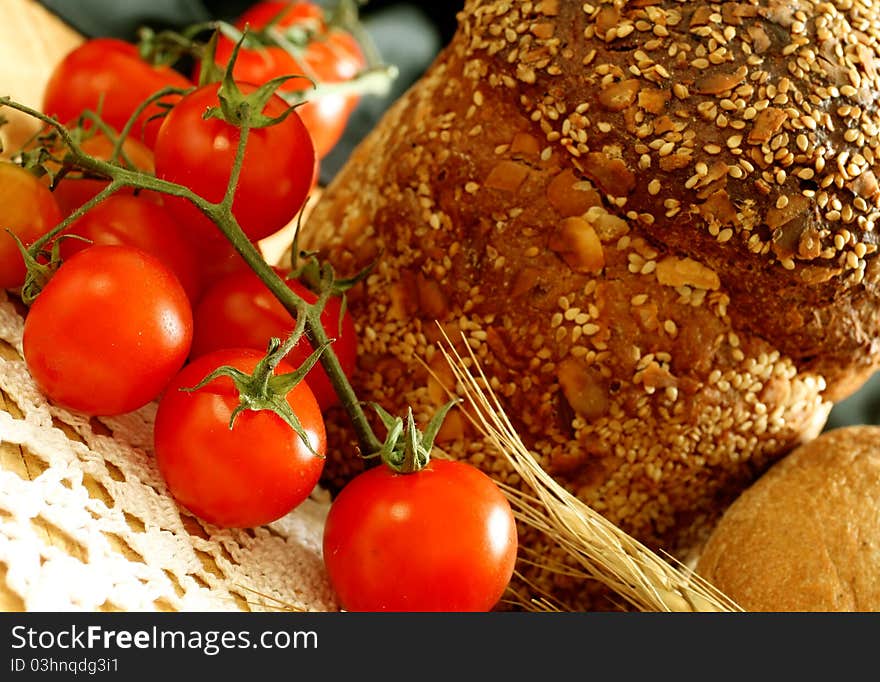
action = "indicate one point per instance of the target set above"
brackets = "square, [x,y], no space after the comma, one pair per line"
[806,535]
[654,224]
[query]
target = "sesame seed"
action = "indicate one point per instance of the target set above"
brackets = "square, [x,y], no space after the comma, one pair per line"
[806,173]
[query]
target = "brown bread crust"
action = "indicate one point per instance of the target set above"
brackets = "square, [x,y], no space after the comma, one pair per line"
[652,221]
[806,535]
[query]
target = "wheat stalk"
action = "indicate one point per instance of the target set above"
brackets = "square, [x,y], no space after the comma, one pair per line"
[644,579]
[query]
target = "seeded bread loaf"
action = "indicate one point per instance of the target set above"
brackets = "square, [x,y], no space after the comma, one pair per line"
[806,535]
[653,222]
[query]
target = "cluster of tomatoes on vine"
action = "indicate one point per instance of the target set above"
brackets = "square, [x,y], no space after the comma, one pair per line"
[135,246]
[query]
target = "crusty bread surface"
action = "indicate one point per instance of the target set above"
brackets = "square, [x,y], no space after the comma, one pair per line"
[653,224]
[806,535]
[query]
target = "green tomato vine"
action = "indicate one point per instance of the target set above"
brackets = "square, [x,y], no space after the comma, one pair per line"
[404,448]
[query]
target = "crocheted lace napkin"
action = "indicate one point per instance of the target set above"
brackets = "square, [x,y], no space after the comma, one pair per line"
[87,524]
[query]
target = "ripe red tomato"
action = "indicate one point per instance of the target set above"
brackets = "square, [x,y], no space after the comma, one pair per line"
[441,539]
[136,221]
[250,475]
[276,174]
[28,210]
[108,332]
[109,74]
[239,310]
[72,191]
[259,14]
[218,259]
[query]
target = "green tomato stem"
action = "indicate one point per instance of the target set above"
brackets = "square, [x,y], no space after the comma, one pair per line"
[222,216]
[372,81]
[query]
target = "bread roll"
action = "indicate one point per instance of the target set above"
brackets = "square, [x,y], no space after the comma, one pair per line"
[653,222]
[806,535]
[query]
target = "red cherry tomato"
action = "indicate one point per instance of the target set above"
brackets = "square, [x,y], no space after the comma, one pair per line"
[218,259]
[108,332]
[286,13]
[136,221]
[276,174]
[73,191]
[441,539]
[250,475]
[239,310]
[108,75]
[28,210]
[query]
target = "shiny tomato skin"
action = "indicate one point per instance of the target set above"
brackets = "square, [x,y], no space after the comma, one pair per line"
[108,332]
[276,174]
[219,258]
[250,475]
[28,210]
[239,310]
[71,192]
[336,56]
[333,57]
[441,539]
[261,64]
[259,14]
[137,221]
[108,73]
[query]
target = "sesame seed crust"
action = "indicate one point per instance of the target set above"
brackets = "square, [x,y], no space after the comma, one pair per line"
[653,222]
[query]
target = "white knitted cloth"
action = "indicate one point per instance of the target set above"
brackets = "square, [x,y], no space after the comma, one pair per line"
[87,524]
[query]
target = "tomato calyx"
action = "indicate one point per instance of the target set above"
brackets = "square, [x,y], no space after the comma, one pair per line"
[239,109]
[40,265]
[293,38]
[52,157]
[38,273]
[265,390]
[407,450]
[320,276]
[167,47]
